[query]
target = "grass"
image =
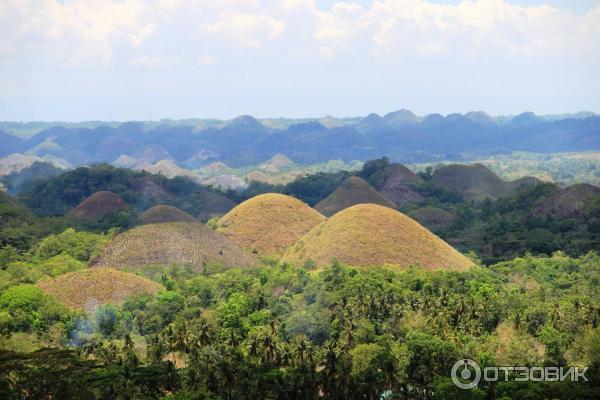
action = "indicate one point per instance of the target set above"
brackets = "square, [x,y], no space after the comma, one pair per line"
[400,185]
[476,182]
[172,243]
[86,288]
[98,205]
[352,191]
[370,234]
[164,213]
[267,224]
[569,202]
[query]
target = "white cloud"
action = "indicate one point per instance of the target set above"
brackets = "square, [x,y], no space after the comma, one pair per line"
[247,29]
[143,34]
[299,43]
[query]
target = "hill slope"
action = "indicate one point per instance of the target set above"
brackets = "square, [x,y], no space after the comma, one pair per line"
[98,205]
[177,242]
[399,186]
[370,234]
[89,287]
[570,202]
[476,182]
[269,223]
[352,191]
[164,213]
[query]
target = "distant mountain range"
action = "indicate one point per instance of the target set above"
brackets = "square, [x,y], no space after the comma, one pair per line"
[401,135]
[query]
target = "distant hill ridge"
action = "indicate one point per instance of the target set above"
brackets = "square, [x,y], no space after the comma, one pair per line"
[243,141]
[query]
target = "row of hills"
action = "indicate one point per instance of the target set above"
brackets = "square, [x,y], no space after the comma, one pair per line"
[244,141]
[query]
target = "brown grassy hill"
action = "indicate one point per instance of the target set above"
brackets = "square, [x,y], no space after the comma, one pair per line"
[98,205]
[570,202]
[176,242]
[92,286]
[433,218]
[352,191]
[400,185]
[476,182]
[214,205]
[369,234]
[164,213]
[268,223]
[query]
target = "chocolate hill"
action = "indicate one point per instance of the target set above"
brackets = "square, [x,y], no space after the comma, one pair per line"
[352,191]
[370,234]
[269,223]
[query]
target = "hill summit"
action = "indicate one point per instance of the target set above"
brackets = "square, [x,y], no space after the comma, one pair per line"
[99,205]
[352,191]
[400,185]
[164,213]
[172,243]
[268,223]
[90,287]
[476,182]
[370,234]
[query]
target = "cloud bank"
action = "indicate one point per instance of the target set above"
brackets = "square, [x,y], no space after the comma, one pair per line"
[292,46]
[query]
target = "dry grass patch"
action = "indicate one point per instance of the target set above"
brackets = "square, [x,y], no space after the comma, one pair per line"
[352,191]
[92,286]
[370,234]
[173,243]
[269,223]
[164,213]
[98,205]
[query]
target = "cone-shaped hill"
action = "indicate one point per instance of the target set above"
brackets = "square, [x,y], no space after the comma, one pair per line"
[164,213]
[352,191]
[90,287]
[267,224]
[98,205]
[400,185]
[175,242]
[476,182]
[571,202]
[369,234]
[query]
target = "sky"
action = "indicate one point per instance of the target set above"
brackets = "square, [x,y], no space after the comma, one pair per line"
[76,60]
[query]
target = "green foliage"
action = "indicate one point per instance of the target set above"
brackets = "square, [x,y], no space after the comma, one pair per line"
[25,308]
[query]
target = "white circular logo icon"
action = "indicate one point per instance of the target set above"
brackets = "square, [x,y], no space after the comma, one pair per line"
[465,374]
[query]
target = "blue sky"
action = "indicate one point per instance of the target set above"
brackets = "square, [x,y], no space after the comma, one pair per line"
[132,59]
